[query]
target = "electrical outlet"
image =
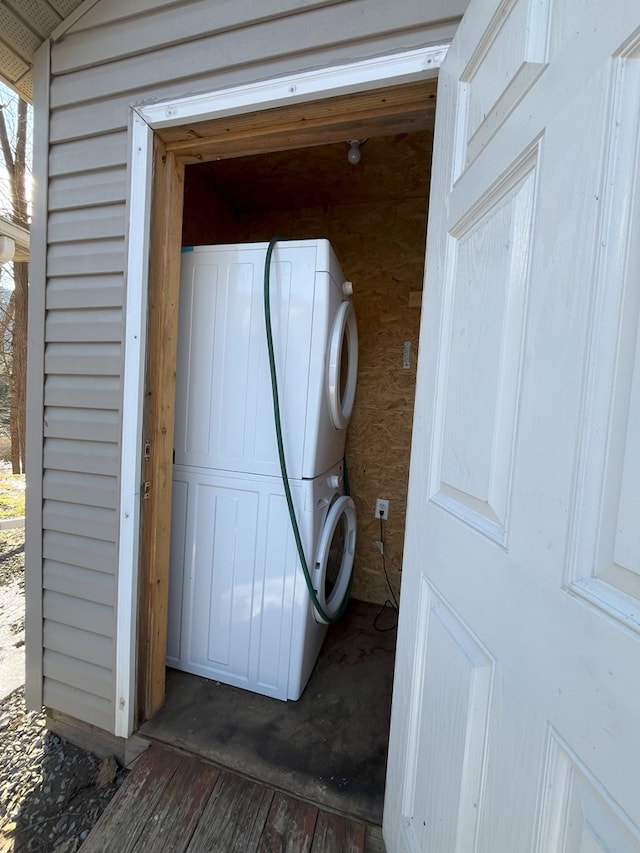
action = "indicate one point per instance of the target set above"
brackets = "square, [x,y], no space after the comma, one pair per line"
[382,509]
[406,355]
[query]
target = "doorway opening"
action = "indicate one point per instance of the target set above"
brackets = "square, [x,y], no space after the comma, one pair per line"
[285,171]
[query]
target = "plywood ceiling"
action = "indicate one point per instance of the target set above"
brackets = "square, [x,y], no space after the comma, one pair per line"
[391,167]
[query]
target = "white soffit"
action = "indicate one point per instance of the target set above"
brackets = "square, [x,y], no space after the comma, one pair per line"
[24,26]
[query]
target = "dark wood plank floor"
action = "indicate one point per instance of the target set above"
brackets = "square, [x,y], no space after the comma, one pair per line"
[177,803]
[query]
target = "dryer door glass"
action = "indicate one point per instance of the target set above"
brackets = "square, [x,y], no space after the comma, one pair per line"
[342,365]
[334,562]
[334,558]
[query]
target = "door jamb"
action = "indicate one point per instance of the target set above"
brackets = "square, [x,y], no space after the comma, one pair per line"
[144,522]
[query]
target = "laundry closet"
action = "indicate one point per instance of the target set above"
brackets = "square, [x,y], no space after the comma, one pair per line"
[373,215]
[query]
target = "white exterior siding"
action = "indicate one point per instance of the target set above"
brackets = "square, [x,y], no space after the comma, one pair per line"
[117,55]
[88,155]
[98,392]
[106,187]
[84,223]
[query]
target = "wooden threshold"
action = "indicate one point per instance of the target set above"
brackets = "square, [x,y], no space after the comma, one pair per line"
[174,802]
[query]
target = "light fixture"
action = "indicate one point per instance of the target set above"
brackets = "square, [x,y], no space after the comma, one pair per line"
[353,155]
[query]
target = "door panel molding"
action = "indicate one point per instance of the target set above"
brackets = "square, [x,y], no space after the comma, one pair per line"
[472,471]
[603,566]
[515,48]
[450,714]
[576,815]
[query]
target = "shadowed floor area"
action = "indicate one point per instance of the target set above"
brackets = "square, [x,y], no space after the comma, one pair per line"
[329,747]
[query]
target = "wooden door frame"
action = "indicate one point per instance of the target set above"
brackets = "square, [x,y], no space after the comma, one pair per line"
[375,97]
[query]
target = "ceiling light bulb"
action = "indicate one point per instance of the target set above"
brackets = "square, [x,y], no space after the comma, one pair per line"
[353,155]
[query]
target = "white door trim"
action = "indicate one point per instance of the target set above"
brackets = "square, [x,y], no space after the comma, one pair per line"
[135,333]
[389,70]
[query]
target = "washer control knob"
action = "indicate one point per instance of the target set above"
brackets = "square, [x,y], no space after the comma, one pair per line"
[334,481]
[347,288]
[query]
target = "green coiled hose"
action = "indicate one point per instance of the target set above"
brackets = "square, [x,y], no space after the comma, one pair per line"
[283,464]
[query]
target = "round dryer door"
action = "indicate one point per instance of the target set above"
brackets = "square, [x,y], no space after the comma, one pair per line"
[342,365]
[334,562]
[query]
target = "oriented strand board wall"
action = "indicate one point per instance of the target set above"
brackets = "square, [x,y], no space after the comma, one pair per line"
[380,245]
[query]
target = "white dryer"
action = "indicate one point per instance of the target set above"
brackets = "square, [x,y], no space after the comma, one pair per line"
[224,410]
[239,609]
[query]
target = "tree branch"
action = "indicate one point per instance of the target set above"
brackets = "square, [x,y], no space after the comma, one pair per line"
[20,195]
[6,146]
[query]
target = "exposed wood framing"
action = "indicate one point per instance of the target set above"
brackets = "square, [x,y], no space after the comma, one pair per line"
[399,109]
[379,112]
[164,281]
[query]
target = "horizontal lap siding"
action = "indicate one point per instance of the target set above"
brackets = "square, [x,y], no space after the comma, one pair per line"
[91,257]
[86,223]
[119,54]
[83,358]
[95,291]
[80,552]
[88,155]
[82,392]
[163,28]
[91,617]
[87,489]
[82,675]
[84,425]
[82,397]
[107,186]
[85,521]
[98,587]
[61,695]
[352,28]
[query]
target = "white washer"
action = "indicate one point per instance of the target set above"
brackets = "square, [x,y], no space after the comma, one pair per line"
[224,408]
[239,608]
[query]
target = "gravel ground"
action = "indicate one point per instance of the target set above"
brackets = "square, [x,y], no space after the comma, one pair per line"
[51,792]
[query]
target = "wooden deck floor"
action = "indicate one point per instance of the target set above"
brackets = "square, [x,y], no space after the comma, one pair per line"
[172,802]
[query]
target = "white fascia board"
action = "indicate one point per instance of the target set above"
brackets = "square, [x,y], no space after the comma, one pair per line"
[71,19]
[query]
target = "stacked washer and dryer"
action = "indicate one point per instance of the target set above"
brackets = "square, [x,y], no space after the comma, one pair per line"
[240,610]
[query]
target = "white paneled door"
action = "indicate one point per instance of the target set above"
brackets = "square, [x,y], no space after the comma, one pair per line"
[516,716]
